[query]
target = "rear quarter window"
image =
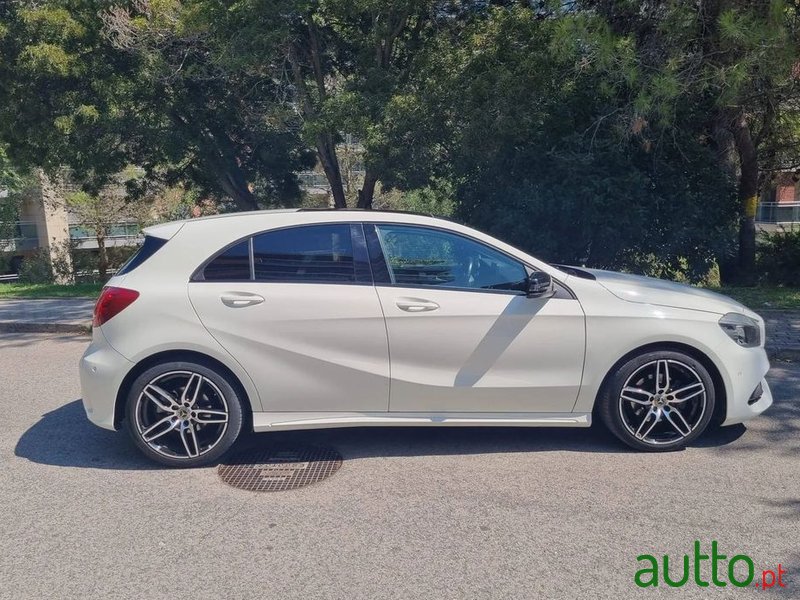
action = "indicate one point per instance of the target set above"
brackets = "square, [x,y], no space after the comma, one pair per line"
[232,264]
[150,246]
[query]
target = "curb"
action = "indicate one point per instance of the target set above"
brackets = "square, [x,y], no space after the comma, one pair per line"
[23,327]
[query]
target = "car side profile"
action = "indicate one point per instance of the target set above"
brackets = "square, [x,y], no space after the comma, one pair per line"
[299,319]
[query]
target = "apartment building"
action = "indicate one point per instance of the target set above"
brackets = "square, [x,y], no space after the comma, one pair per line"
[45,222]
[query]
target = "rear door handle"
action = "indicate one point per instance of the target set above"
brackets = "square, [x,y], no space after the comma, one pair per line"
[240,299]
[416,305]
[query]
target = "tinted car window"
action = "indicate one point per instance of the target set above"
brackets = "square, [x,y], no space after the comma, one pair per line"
[150,246]
[231,265]
[317,253]
[429,257]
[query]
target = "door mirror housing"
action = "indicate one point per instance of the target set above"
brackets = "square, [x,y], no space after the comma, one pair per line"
[539,285]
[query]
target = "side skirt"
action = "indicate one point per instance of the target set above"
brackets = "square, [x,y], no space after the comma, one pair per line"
[285,421]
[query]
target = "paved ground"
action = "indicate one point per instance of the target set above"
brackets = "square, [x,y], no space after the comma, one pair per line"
[783,329]
[413,513]
[55,314]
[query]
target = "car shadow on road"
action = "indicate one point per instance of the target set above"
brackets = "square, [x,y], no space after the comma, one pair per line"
[21,339]
[64,437]
[368,442]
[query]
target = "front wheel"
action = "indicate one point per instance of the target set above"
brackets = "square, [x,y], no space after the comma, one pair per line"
[183,414]
[658,401]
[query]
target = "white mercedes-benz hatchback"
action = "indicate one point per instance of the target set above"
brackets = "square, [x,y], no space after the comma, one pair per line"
[295,319]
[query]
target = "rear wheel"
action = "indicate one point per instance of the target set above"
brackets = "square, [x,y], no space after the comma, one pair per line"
[658,401]
[183,414]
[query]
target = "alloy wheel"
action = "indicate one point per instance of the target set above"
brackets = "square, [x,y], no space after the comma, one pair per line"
[663,402]
[181,414]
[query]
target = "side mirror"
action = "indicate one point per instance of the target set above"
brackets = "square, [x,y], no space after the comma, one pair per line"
[540,285]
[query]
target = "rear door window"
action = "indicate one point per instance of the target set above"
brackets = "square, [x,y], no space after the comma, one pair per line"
[309,254]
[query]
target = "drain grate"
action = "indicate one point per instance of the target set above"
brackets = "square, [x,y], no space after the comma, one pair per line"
[278,468]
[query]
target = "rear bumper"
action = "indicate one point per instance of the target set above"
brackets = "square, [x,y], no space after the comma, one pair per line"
[102,370]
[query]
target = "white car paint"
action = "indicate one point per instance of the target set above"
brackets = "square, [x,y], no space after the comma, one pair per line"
[325,355]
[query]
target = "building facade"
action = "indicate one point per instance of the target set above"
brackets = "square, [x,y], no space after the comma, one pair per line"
[45,223]
[779,205]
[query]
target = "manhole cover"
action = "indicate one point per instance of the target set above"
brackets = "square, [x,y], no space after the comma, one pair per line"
[280,468]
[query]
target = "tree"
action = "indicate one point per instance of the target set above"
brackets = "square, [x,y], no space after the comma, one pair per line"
[519,118]
[738,58]
[342,61]
[96,87]
[98,213]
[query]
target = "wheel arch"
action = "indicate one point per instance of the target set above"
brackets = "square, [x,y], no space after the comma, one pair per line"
[181,355]
[720,394]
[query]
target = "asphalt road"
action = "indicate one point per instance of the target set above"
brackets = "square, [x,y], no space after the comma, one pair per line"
[412,513]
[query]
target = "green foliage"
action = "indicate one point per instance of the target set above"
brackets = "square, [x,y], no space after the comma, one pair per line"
[37,268]
[769,297]
[49,290]
[604,132]
[86,263]
[44,267]
[437,199]
[779,257]
[736,61]
[116,86]
[511,119]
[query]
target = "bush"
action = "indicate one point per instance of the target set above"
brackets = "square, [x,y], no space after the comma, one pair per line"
[37,268]
[48,267]
[779,257]
[68,263]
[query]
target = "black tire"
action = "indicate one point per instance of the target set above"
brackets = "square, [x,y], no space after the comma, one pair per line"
[193,428]
[663,430]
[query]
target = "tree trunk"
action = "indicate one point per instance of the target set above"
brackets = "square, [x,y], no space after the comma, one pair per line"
[326,147]
[367,191]
[326,151]
[748,199]
[102,255]
[728,162]
[236,188]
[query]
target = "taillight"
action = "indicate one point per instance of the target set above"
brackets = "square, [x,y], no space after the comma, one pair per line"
[112,301]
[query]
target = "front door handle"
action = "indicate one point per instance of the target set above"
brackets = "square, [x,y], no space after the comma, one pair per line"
[240,299]
[416,305]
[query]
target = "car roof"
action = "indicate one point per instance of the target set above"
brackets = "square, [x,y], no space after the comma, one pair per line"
[168,229]
[278,211]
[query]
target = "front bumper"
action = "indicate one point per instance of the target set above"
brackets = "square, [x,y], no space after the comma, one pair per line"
[102,370]
[750,372]
[739,412]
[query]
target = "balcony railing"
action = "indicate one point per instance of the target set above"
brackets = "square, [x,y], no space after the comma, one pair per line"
[23,236]
[778,212]
[115,230]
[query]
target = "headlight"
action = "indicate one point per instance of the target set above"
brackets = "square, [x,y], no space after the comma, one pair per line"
[741,329]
